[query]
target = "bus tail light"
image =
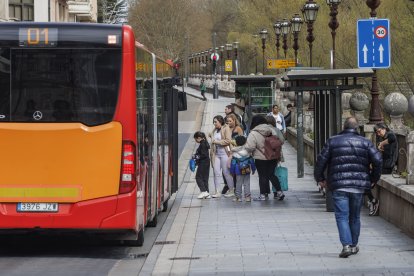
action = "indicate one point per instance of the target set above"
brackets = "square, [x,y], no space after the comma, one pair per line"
[128,179]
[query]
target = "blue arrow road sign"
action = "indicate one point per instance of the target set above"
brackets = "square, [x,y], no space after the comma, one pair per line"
[374,46]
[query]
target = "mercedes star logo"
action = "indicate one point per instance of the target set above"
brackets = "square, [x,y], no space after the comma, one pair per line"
[37,115]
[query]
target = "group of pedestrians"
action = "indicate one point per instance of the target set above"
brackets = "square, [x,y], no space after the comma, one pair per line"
[349,165]
[235,155]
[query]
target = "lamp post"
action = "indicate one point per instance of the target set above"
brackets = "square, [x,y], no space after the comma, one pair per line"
[228,49]
[278,31]
[255,50]
[285,28]
[375,115]
[310,12]
[333,24]
[210,67]
[236,62]
[221,61]
[296,22]
[263,35]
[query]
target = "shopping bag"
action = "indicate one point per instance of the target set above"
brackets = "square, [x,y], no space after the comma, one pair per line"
[282,174]
[192,164]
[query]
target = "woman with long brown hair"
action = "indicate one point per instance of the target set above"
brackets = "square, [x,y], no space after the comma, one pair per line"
[220,152]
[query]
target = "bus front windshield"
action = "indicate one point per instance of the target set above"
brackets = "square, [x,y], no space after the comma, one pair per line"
[59,85]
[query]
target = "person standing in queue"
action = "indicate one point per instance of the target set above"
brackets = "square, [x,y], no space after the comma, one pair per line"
[353,165]
[202,158]
[220,152]
[255,145]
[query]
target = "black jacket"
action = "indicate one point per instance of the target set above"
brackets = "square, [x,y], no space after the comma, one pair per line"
[348,158]
[202,154]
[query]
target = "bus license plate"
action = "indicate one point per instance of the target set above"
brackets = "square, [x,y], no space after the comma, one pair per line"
[37,207]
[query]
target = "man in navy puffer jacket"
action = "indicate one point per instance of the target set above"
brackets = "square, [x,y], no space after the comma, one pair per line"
[353,165]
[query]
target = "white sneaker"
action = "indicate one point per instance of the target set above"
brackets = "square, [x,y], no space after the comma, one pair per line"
[201,195]
[230,193]
[207,195]
[216,195]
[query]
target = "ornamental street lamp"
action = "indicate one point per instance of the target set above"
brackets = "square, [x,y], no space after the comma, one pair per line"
[333,24]
[236,63]
[310,12]
[296,22]
[278,31]
[375,114]
[285,28]
[263,35]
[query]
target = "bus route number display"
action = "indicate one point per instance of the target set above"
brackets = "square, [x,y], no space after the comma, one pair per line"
[38,37]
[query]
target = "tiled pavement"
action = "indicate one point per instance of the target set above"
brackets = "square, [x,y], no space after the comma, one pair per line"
[291,237]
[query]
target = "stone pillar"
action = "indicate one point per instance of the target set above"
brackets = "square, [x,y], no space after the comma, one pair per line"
[359,103]
[307,115]
[410,158]
[396,104]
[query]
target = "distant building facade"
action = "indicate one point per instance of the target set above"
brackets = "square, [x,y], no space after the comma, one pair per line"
[49,10]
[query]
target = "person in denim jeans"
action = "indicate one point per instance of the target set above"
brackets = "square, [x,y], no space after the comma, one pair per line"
[353,165]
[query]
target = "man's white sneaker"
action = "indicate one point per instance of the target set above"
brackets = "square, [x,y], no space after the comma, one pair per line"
[201,195]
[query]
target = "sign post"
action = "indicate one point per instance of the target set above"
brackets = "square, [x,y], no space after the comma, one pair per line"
[374,44]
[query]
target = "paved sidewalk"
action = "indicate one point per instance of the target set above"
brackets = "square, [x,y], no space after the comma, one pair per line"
[291,237]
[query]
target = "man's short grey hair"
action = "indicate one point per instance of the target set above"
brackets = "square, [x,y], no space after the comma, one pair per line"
[351,123]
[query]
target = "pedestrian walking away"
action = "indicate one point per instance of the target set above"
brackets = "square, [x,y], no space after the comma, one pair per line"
[353,165]
[203,89]
[203,164]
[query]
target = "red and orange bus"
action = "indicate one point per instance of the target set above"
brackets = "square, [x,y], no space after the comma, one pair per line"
[85,139]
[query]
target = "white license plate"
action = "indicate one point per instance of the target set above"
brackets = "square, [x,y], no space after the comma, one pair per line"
[37,207]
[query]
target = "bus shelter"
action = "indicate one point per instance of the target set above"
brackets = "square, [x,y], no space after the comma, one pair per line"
[327,86]
[258,95]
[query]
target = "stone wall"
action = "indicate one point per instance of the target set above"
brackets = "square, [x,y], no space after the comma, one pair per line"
[396,202]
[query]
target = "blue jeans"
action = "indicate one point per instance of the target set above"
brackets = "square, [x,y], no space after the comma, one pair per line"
[347,214]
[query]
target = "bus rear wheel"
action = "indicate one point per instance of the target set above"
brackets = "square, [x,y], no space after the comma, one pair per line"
[139,241]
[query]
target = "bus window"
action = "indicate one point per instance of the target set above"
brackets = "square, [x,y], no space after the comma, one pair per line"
[66,85]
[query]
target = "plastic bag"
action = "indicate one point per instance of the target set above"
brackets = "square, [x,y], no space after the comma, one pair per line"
[192,164]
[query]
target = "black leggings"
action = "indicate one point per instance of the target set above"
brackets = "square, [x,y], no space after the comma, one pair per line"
[266,171]
[202,174]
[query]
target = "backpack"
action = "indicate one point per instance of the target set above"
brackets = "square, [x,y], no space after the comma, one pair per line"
[272,147]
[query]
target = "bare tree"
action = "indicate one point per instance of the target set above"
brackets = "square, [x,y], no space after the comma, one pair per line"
[113,11]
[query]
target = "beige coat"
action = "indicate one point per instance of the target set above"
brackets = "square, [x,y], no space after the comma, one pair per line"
[256,140]
[225,142]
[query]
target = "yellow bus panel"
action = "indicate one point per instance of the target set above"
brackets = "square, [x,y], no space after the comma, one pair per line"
[59,162]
